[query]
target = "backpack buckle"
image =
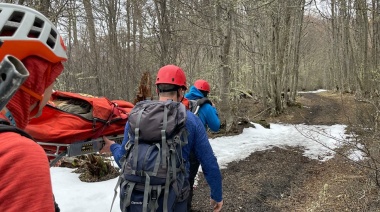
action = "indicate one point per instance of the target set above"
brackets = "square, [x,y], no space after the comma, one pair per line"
[140,173]
[154,195]
[177,139]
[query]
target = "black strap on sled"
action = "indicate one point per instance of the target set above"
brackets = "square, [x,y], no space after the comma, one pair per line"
[5,126]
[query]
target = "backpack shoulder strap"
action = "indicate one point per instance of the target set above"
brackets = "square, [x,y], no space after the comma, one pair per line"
[195,105]
[203,101]
[6,127]
[192,105]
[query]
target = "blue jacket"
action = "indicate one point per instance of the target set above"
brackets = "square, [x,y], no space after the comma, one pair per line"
[207,113]
[198,143]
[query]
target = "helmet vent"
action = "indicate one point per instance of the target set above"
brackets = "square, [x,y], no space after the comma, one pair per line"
[36,29]
[13,23]
[38,23]
[52,39]
[16,16]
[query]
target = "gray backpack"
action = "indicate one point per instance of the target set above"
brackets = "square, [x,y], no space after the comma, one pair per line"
[153,170]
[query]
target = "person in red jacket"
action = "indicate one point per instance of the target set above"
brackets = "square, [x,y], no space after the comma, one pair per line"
[25,183]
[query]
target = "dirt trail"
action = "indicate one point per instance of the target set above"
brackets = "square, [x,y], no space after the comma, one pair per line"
[258,181]
[283,179]
[325,108]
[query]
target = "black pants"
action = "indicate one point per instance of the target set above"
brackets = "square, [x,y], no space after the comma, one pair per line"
[194,166]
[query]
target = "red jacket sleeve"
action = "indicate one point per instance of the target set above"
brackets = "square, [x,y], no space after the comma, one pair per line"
[24,175]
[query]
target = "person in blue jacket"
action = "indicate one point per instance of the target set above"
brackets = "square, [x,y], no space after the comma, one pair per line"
[209,117]
[171,84]
[207,112]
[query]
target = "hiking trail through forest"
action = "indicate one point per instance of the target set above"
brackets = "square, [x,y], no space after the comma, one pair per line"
[283,179]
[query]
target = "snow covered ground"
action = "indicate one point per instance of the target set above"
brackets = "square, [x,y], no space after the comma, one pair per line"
[318,142]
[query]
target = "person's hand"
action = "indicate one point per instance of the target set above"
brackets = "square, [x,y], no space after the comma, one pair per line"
[216,206]
[58,163]
[107,145]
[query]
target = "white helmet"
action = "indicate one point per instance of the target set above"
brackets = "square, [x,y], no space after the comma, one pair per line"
[25,32]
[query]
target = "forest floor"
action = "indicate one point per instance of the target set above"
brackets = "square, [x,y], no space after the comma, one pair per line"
[281,179]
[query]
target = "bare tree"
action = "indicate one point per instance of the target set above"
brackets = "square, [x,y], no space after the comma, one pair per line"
[224,11]
[93,51]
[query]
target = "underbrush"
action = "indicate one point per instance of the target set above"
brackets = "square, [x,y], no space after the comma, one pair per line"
[92,167]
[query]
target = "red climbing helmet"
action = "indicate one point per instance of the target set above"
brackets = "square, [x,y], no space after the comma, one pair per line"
[202,85]
[171,74]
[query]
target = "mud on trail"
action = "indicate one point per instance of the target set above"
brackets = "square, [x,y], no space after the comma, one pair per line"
[325,108]
[282,179]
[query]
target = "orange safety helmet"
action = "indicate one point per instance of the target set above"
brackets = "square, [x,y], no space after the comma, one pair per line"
[171,74]
[202,85]
[25,32]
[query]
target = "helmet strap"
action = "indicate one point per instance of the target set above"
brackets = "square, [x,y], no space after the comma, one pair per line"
[32,93]
[36,95]
[182,99]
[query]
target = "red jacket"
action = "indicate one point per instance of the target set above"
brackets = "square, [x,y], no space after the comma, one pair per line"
[186,103]
[25,183]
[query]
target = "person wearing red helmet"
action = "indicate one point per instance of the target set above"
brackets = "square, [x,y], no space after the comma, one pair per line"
[207,113]
[202,85]
[209,117]
[30,37]
[171,85]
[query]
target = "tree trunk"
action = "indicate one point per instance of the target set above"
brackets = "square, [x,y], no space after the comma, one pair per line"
[164,31]
[297,41]
[93,48]
[224,38]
